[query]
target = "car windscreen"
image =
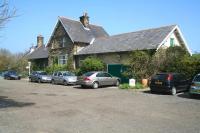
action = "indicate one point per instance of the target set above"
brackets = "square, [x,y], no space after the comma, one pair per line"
[68,74]
[197,78]
[42,73]
[159,77]
[88,74]
[12,72]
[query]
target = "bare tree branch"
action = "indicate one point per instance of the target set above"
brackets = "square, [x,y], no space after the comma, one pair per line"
[5,13]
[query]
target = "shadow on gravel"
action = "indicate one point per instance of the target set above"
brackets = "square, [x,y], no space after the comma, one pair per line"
[156,93]
[90,88]
[186,95]
[8,103]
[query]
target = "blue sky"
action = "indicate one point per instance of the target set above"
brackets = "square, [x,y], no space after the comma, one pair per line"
[116,16]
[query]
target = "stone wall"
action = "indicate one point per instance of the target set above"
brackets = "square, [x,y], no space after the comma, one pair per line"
[108,58]
[60,44]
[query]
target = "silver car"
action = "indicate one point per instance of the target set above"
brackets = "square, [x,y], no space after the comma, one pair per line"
[64,77]
[96,79]
[40,77]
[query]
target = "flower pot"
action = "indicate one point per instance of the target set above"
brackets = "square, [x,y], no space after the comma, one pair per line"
[145,82]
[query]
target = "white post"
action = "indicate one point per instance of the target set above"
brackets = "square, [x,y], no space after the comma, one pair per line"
[29,68]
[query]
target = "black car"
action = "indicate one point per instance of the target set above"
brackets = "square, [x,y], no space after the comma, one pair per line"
[169,82]
[11,75]
[40,77]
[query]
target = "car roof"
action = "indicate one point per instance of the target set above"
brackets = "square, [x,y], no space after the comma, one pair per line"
[173,73]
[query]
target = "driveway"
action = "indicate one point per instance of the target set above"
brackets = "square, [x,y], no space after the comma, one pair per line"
[44,108]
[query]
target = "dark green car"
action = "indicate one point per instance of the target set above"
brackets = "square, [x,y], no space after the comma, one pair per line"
[195,86]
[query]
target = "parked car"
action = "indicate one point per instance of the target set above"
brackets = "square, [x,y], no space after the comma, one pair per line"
[195,86]
[64,77]
[96,79]
[169,82]
[11,75]
[40,77]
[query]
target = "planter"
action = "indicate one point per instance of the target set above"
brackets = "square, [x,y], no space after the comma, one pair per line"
[145,82]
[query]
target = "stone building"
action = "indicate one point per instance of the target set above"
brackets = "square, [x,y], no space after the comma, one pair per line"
[80,39]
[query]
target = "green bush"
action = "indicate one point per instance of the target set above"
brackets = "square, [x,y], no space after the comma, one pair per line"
[91,64]
[126,86]
[138,63]
[138,86]
[55,67]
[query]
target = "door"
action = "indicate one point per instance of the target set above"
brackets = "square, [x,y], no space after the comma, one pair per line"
[59,78]
[101,79]
[109,79]
[117,71]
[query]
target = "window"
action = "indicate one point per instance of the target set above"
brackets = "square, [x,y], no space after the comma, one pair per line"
[100,75]
[172,42]
[55,74]
[59,74]
[197,78]
[63,42]
[107,75]
[62,59]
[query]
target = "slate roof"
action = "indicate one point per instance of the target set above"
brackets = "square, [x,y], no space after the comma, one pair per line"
[38,53]
[78,33]
[139,40]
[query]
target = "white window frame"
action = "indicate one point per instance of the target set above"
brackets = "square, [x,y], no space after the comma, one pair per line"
[61,60]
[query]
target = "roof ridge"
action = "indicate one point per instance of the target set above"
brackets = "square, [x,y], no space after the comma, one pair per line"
[78,21]
[144,30]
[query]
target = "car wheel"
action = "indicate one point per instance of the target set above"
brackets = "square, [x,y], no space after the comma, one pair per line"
[192,95]
[95,85]
[174,91]
[117,83]
[65,83]
[83,86]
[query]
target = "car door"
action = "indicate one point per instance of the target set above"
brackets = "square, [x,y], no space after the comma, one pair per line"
[59,78]
[54,76]
[34,76]
[101,78]
[184,81]
[109,79]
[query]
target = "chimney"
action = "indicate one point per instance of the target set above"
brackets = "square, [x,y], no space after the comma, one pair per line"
[40,39]
[84,19]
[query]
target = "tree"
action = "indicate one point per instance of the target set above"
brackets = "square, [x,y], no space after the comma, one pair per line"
[5,13]
[139,64]
[91,64]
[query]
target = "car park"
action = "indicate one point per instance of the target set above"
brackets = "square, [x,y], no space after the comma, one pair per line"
[64,77]
[11,75]
[195,86]
[169,82]
[40,77]
[98,78]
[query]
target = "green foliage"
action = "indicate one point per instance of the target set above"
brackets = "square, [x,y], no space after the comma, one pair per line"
[70,66]
[138,64]
[126,86]
[56,67]
[91,64]
[173,59]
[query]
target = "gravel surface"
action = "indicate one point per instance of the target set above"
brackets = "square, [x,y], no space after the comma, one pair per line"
[44,108]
